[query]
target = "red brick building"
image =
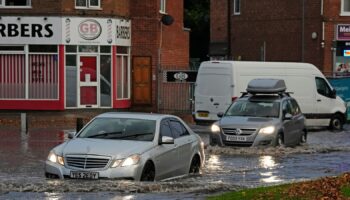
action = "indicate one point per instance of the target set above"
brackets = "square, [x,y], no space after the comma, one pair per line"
[57,55]
[313,31]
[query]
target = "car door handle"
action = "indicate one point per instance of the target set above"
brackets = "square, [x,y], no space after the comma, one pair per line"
[216,104]
[319,100]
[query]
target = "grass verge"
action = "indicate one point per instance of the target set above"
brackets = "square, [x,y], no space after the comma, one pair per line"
[324,188]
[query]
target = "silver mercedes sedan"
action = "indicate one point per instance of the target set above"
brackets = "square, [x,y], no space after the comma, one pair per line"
[136,146]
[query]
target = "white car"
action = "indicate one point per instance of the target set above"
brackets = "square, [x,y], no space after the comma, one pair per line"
[136,146]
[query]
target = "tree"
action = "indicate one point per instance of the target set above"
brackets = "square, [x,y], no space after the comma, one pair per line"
[197,16]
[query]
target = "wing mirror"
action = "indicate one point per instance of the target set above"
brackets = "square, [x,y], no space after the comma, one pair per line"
[220,114]
[288,116]
[334,94]
[71,135]
[167,140]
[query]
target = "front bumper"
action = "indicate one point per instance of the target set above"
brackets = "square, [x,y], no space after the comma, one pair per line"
[252,140]
[130,172]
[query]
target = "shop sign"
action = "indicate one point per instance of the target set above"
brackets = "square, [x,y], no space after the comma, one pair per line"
[343,32]
[30,30]
[89,29]
[96,31]
[180,76]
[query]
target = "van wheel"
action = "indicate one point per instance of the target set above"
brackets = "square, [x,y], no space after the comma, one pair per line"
[280,140]
[336,123]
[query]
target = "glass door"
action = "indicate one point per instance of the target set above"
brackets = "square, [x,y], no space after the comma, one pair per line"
[88,82]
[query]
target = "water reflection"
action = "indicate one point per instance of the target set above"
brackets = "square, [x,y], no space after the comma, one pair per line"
[214,163]
[267,162]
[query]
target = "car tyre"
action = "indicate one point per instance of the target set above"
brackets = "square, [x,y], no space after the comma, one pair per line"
[303,138]
[195,165]
[148,172]
[280,140]
[336,123]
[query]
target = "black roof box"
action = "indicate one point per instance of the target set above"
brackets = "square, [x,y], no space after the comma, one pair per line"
[266,86]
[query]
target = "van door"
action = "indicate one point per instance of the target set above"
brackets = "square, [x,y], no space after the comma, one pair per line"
[324,101]
[213,92]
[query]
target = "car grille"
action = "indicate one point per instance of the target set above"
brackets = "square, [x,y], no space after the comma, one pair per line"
[235,131]
[87,162]
[238,144]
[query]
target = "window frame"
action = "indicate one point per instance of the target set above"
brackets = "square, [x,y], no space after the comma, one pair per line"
[235,10]
[88,6]
[162,6]
[342,11]
[327,87]
[3,5]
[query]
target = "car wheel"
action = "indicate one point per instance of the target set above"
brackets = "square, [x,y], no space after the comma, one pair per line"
[303,138]
[148,172]
[280,140]
[195,165]
[336,123]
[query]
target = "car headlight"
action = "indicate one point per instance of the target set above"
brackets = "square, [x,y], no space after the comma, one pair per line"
[267,130]
[55,158]
[215,128]
[131,160]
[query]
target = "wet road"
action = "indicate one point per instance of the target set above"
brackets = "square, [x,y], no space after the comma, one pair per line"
[22,158]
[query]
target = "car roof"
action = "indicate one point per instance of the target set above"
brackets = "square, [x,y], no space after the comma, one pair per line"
[134,115]
[265,97]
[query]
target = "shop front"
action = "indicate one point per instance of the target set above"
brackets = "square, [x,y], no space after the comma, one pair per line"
[57,63]
[342,61]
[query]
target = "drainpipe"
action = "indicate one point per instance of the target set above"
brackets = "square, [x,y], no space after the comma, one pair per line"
[303,31]
[229,56]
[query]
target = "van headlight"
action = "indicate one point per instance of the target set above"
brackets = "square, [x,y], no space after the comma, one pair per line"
[215,128]
[267,130]
[131,160]
[55,158]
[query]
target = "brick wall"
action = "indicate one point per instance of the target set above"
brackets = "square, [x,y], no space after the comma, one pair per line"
[148,36]
[280,29]
[67,7]
[332,17]
[218,20]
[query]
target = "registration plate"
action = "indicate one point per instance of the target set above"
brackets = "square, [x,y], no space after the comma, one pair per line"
[203,114]
[84,175]
[236,138]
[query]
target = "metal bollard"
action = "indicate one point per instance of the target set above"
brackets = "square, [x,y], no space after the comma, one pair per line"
[80,124]
[24,123]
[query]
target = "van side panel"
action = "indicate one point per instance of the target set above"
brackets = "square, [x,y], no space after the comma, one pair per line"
[213,92]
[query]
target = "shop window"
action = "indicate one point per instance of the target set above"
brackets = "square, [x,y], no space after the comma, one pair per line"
[71,49]
[71,81]
[105,81]
[236,7]
[162,8]
[345,7]
[105,49]
[123,75]
[15,3]
[88,49]
[87,4]
[12,76]
[43,48]
[12,48]
[43,76]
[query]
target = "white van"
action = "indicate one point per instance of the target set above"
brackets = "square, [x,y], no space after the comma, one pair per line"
[221,82]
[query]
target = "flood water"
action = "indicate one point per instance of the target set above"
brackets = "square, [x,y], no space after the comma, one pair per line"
[22,157]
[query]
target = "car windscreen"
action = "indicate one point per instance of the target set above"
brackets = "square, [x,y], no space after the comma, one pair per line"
[120,129]
[254,109]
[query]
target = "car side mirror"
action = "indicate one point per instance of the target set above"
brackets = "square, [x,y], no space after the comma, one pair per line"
[287,116]
[220,114]
[71,135]
[167,140]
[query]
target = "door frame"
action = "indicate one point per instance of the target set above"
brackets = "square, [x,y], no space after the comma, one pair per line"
[96,84]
